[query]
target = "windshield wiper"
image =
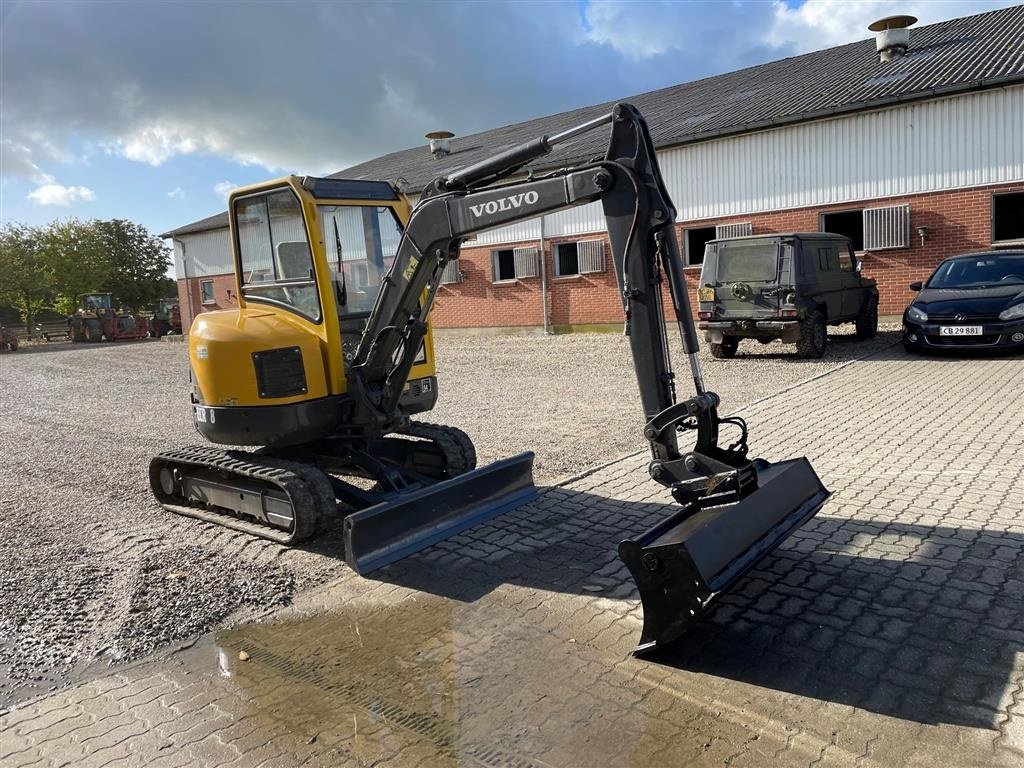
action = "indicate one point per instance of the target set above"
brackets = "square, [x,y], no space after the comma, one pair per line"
[342,288]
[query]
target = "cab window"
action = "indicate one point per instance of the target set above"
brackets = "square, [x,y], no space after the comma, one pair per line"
[362,242]
[275,260]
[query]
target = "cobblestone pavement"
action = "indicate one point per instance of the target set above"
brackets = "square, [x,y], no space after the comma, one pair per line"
[889,631]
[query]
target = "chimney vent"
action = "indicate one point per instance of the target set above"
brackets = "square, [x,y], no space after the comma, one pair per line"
[892,36]
[440,143]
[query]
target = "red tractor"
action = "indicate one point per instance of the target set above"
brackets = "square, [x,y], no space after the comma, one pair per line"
[8,339]
[166,318]
[96,320]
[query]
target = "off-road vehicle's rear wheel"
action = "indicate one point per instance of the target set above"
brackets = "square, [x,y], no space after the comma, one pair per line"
[726,349]
[813,336]
[867,320]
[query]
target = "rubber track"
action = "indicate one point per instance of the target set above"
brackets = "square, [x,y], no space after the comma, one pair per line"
[307,488]
[456,445]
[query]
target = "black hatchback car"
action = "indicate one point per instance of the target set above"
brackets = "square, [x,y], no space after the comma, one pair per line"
[969,302]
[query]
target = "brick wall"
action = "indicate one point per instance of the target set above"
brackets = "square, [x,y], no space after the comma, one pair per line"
[224,296]
[957,222]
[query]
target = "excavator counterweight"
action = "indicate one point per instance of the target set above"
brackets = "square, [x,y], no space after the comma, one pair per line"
[334,339]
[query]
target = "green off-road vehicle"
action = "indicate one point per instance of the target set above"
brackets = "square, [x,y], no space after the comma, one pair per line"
[788,287]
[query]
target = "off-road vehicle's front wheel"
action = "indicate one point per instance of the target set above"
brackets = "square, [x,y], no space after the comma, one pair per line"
[867,320]
[727,347]
[813,336]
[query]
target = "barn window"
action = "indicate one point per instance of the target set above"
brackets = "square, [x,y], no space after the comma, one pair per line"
[887,227]
[580,258]
[504,264]
[514,263]
[736,229]
[451,273]
[1008,217]
[694,241]
[847,223]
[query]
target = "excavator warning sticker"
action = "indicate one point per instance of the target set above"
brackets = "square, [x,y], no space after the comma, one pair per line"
[410,268]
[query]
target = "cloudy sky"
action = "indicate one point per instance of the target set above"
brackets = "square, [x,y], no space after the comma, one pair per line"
[152,111]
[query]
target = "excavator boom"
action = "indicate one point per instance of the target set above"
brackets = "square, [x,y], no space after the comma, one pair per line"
[734,510]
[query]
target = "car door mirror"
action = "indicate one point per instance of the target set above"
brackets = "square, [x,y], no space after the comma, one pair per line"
[915,286]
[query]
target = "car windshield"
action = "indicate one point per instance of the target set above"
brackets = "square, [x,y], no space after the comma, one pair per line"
[745,261]
[982,271]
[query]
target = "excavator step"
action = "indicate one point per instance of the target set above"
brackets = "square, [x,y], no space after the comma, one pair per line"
[685,563]
[396,528]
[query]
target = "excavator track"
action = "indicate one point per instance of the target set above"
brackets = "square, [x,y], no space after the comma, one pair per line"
[283,501]
[455,445]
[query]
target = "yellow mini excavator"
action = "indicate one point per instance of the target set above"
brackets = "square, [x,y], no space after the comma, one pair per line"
[330,353]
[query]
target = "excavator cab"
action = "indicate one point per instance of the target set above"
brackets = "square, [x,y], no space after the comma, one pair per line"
[310,255]
[331,351]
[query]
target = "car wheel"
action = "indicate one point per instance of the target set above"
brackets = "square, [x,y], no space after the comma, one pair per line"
[813,336]
[867,320]
[726,349]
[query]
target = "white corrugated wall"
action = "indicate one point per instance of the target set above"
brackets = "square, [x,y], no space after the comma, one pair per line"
[960,141]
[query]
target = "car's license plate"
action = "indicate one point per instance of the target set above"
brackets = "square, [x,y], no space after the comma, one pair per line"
[960,330]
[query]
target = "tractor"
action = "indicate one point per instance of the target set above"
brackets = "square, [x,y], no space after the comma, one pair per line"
[96,320]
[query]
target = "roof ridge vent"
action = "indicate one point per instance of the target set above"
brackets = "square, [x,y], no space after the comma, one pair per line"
[892,36]
[440,143]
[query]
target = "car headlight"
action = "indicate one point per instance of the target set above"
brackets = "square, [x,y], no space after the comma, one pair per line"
[917,315]
[1015,312]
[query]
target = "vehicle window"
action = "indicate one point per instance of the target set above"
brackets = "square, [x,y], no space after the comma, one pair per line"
[275,259]
[744,261]
[980,271]
[361,241]
[846,260]
[824,259]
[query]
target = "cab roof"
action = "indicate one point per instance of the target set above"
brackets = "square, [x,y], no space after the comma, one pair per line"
[785,236]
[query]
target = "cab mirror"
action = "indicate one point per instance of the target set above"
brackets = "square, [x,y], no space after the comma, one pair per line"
[916,286]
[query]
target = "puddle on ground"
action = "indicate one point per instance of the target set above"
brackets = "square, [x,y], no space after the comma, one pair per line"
[442,683]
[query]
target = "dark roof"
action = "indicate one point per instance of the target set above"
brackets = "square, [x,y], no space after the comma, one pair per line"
[965,54]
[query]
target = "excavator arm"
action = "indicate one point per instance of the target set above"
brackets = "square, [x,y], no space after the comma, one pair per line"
[734,510]
[645,254]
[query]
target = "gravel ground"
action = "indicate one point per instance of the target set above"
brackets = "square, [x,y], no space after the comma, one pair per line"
[96,573]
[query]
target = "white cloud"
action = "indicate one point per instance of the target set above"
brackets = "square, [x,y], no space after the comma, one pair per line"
[56,194]
[16,160]
[223,188]
[177,193]
[639,30]
[817,24]
[88,73]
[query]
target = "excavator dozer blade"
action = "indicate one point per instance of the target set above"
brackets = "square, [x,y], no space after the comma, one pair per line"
[386,532]
[683,564]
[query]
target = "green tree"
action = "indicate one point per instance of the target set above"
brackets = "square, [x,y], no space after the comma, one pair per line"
[24,277]
[76,260]
[138,262]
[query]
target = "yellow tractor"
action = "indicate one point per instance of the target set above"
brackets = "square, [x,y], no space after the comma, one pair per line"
[330,354]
